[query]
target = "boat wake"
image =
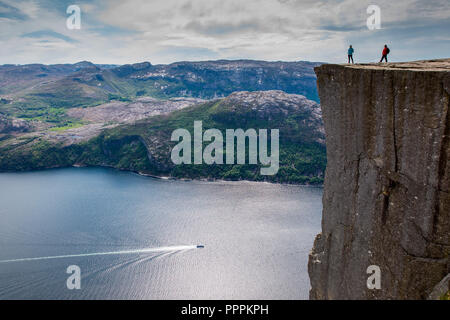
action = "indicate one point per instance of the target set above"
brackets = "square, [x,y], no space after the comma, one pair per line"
[143,250]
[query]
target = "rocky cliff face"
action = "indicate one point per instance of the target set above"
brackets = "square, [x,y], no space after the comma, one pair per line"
[386,195]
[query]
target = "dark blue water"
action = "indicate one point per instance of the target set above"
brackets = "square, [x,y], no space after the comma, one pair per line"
[256,235]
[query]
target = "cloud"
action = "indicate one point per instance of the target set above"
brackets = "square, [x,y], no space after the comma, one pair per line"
[187,53]
[9,12]
[212,27]
[162,31]
[48,34]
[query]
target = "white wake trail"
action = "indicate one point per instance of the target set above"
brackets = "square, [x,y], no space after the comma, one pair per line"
[144,250]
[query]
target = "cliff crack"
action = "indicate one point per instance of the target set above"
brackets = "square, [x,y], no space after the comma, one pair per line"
[428,259]
[443,160]
[387,190]
[394,132]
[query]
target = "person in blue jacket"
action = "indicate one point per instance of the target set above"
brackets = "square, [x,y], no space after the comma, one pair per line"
[350,53]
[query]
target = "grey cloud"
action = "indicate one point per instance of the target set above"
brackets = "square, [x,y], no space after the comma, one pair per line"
[48,34]
[214,28]
[341,28]
[10,12]
[188,52]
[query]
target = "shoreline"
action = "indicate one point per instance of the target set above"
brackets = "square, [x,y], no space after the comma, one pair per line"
[165,178]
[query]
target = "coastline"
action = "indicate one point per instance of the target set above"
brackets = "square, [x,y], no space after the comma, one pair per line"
[164,178]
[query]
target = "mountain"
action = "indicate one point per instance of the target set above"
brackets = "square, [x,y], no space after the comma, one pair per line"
[43,92]
[212,79]
[61,115]
[14,78]
[144,146]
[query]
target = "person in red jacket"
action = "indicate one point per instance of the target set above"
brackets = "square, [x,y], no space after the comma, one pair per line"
[385,53]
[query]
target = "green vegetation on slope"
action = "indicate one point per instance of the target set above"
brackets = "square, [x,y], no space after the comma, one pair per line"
[36,91]
[145,147]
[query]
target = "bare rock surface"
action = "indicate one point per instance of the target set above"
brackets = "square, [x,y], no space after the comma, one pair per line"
[386,196]
[13,125]
[126,112]
[441,290]
[266,101]
[96,120]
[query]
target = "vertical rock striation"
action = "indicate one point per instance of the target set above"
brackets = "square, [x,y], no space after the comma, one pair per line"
[386,197]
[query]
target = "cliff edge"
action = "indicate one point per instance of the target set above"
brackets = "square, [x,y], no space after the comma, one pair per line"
[386,195]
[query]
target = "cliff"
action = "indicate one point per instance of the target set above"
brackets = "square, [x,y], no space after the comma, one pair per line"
[386,195]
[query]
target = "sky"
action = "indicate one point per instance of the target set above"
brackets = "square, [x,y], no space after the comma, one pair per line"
[165,31]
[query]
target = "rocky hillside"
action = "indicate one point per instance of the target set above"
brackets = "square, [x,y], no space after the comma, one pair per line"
[209,79]
[386,195]
[43,95]
[144,146]
[14,78]
[213,79]
[10,126]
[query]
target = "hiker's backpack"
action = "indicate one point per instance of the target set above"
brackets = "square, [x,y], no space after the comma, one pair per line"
[388,50]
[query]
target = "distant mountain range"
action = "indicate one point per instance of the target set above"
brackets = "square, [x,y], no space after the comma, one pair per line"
[122,116]
[210,79]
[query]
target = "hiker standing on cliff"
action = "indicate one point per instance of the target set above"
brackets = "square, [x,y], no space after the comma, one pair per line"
[385,52]
[350,53]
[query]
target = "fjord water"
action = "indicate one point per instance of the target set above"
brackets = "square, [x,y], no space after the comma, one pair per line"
[256,236]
